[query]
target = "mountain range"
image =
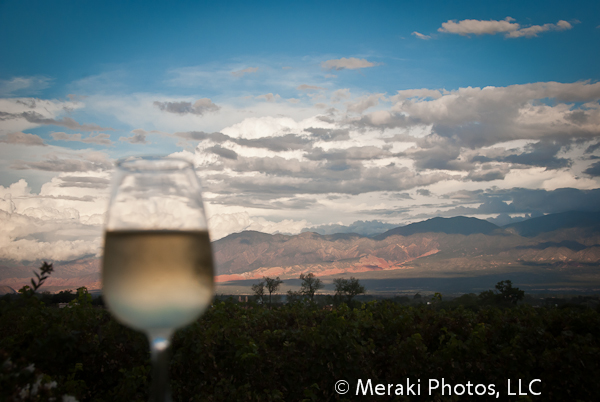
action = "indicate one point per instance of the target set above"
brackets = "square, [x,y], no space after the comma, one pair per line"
[558,251]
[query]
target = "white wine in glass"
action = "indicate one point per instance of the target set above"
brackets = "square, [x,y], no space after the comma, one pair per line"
[157,271]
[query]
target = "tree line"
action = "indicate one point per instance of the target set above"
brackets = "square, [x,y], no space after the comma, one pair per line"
[345,289]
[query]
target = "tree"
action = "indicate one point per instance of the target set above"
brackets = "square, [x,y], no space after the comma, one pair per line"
[508,294]
[310,285]
[505,294]
[348,288]
[259,291]
[272,286]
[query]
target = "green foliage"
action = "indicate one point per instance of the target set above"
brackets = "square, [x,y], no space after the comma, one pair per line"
[298,352]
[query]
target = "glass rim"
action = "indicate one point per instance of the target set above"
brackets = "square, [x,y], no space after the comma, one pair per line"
[152,163]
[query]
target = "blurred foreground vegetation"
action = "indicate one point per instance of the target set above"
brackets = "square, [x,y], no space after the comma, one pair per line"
[297,351]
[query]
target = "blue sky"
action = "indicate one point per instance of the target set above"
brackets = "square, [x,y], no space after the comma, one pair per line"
[297,115]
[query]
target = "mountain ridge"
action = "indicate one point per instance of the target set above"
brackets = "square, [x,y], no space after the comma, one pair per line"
[437,246]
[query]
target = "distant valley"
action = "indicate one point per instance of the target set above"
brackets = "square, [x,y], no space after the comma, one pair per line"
[553,252]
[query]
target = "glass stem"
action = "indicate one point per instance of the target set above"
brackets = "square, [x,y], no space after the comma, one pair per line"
[159,348]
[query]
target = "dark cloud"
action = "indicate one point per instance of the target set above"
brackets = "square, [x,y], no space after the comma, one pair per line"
[593,170]
[200,107]
[384,120]
[521,200]
[577,117]
[288,142]
[55,164]
[592,148]
[85,182]
[401,196]
[138,137]
[541,154]
[201,136]
[67,122]
[486,175]
[295,203]
[424,192]
[290,177]
[352,153]
[223,152]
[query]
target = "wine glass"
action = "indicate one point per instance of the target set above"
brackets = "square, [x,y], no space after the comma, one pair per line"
[157,271]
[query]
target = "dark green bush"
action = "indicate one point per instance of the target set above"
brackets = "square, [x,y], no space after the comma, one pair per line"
[298,352]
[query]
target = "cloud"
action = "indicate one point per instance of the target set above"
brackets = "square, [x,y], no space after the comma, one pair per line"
[476,117]
[241,73]
[422,93]
[479,27]
[364,228]
[535,29]
[421,36]
[346,63]
[22,139]
[223,152]
[84,181]
[593,170]
[522,200]
[305,87]
[364,103]
[100,138]
[269,97]
[507,26]
[23,85]
[67,122]
[138,137]
[92,161]
[221,225]
[200,107]
[340,95]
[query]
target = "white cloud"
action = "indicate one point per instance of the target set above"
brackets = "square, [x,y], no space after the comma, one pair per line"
[221,225]
[479,27]
[350,63]
[491,27]
[421,36]
[536,29]
[60,223]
